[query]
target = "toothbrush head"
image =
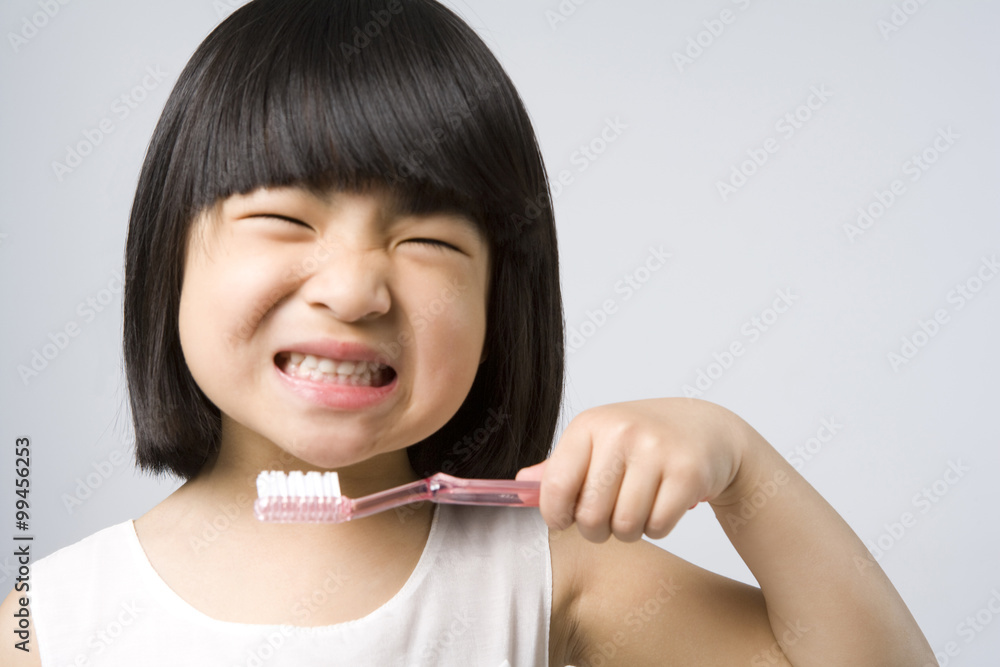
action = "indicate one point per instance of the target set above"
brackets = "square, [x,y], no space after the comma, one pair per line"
[298,497]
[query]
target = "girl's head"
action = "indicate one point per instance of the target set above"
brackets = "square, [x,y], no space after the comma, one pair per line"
[369,125]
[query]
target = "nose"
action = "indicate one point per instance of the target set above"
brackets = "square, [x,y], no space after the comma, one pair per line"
[351,283]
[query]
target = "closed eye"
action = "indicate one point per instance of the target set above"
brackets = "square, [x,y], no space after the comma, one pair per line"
[285,218]
[435,243]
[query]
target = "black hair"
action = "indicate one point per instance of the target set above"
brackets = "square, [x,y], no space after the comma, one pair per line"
[349,94]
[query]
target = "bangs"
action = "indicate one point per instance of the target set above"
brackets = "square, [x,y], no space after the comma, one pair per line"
[340,95]
[350,95]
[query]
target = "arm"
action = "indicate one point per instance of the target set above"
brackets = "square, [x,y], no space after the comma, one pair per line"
[813,570]
[635,468]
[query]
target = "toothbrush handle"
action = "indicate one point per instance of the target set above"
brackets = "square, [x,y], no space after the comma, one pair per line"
[453,490]
[442,488]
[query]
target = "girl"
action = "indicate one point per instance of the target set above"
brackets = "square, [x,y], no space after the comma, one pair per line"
[341,256]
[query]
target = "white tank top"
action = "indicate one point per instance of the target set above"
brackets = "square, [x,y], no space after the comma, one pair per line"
[481,594]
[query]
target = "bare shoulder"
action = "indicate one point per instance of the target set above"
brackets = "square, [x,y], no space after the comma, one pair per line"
[637,604]
[13,633]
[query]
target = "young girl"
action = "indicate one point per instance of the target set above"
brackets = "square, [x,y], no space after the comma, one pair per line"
[342,256]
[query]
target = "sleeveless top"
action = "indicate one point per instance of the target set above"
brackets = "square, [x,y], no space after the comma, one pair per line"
[481,594]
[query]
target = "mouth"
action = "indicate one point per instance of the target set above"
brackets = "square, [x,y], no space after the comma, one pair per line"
[348,372]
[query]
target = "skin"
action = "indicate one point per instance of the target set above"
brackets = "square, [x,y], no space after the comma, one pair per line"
[618,471]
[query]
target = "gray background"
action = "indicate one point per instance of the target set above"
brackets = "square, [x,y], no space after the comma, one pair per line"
[682,130]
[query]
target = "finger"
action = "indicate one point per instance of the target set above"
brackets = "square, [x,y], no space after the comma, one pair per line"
[672,500]
[635,502]
[562,478]
[597,499]
[531,473]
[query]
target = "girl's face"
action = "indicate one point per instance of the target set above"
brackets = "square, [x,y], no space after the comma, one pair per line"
[336,327]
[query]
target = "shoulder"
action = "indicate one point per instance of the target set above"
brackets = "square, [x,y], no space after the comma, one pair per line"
[15,628]
[71,572]
[85,555]
[635,603]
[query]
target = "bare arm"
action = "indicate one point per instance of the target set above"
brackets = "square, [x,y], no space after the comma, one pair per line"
[635,468]
[817,577]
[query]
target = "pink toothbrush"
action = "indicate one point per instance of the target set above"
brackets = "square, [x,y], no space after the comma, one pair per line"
[314,497]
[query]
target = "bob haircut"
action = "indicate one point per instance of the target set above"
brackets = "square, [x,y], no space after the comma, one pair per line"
[351,94]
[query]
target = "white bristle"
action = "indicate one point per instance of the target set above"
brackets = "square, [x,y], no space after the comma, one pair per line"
[296,484]
[263,486]
[331,485]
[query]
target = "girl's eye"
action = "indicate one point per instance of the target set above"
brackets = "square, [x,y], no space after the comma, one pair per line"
[434,243]
[285,218]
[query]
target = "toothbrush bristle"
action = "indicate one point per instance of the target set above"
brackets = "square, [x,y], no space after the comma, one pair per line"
[299,497]
[296,484]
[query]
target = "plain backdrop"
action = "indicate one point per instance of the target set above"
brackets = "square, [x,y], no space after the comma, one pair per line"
[836,162]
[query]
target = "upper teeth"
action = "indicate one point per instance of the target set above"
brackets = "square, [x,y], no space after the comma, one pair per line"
[332,366]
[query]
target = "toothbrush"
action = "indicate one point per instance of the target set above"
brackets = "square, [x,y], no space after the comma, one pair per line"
[314,497]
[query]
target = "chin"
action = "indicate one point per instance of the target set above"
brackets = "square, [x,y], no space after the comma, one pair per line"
[329,454]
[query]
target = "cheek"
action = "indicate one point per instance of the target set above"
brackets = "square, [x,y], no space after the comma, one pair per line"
[454,329]
[221,305]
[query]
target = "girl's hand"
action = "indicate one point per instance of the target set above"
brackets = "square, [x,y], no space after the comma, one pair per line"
[633,468]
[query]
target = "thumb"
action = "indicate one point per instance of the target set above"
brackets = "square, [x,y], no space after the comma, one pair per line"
[531,473]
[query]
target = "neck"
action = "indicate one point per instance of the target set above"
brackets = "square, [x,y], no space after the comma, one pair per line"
[228,480]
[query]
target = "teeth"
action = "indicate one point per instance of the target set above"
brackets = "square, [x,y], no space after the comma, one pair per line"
[323,369]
